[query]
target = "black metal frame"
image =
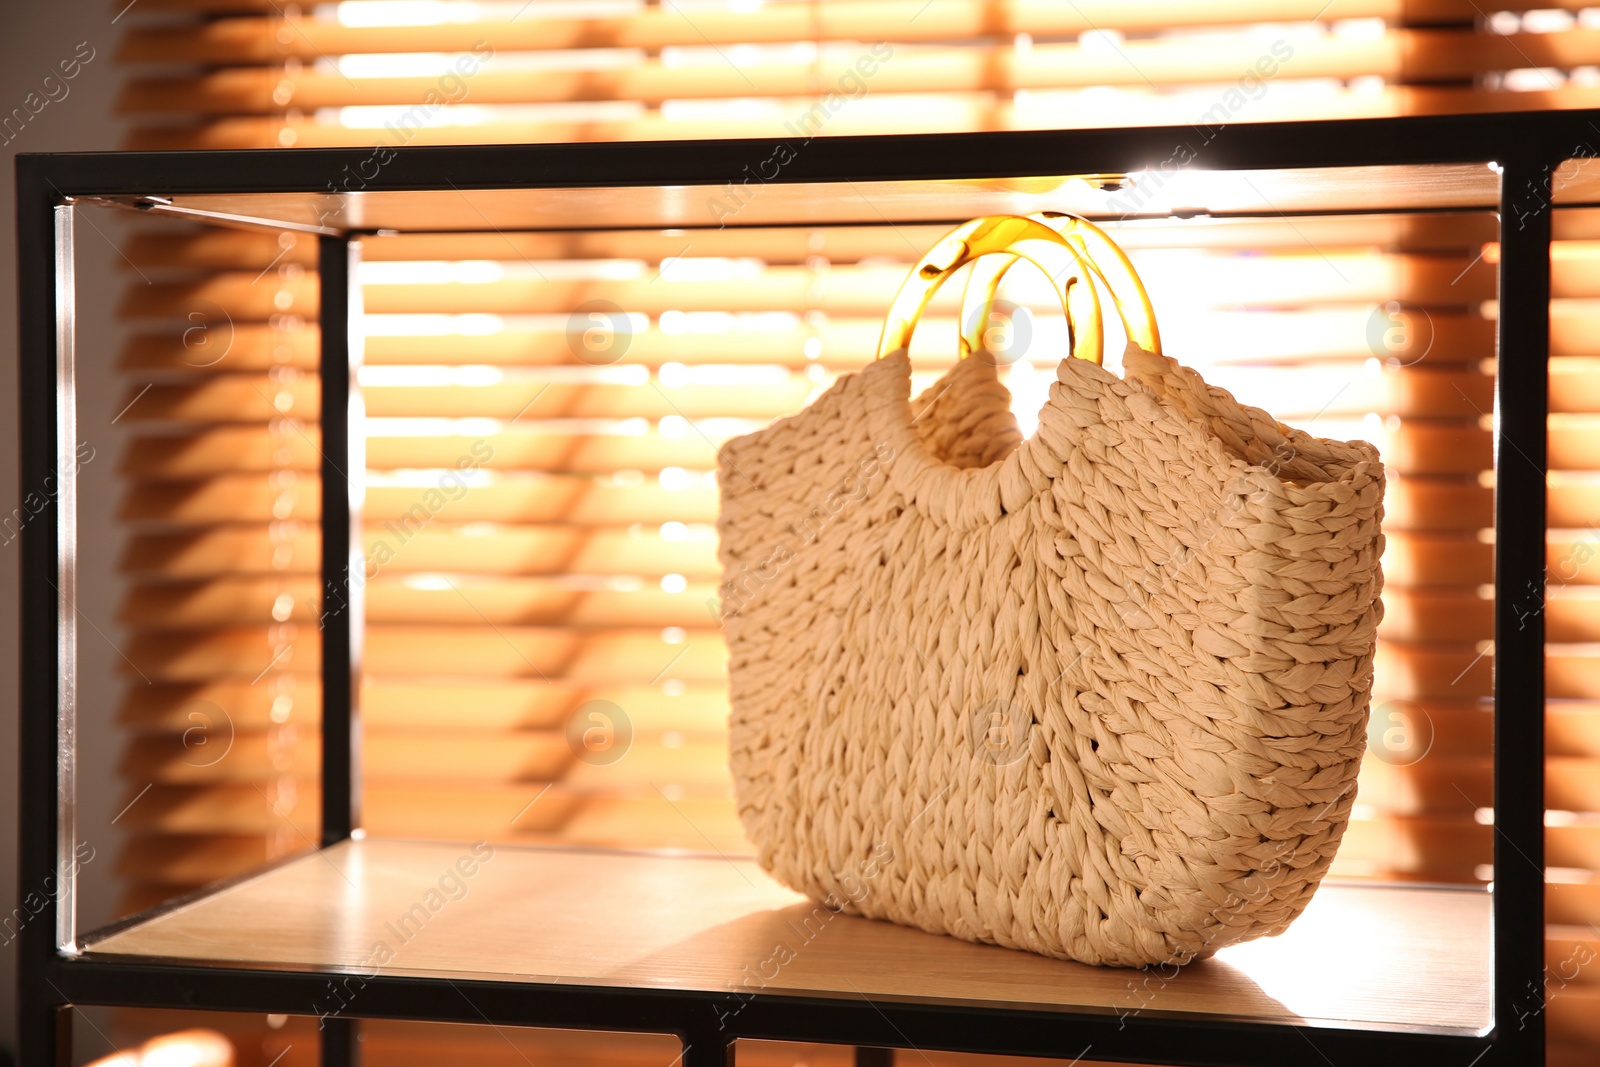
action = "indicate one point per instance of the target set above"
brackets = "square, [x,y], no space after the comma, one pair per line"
[54,975]
[340,355]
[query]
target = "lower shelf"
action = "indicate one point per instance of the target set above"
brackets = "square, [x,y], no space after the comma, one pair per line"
[1363,957]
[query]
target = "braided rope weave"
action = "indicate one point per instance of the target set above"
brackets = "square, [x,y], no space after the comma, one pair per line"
[1100,694]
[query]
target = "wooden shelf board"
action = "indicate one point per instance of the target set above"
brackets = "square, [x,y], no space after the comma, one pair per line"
[1367,957]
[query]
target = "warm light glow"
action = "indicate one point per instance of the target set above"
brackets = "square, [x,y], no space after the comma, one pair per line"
[738,109]
[431,583]
[404,12]
[1547,20]
[1101,42]
[1030,388]
[186,1048]
[1533,79]
[426,478]
[372,375]
[382,118]
[432,427]
[673,322]
[710,268]
[440,12]
[679,374]
[427,272]
[1362,29]
[359,65]
[436,64]
[474,324]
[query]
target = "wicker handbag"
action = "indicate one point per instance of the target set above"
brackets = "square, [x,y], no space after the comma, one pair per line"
[1099,694]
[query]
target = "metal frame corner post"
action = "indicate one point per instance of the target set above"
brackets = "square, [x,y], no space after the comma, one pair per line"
[343,470]
[339,1042]
[343,467]
[706,1045]
[47,669]
[1521,463]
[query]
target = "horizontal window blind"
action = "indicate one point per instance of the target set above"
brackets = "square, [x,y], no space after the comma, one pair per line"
[349,73]
[579,563]
[539,514]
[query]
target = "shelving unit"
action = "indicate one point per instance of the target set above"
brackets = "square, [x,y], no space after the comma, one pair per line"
[688,944]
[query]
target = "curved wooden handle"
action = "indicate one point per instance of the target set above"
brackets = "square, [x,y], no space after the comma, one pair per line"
[1105,259]
[1012,237]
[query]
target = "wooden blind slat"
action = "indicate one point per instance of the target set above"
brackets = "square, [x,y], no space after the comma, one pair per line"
[1572,728]
[1418,447]
[1572,846]
[566,499]
[1442,338]
[1415,55]
[244,39]
[266,90]
[503,600]
[1284,278]
[479,707]
[1421,392]
[1411,558]
[257,40]
[1408,670]
[441,651]
[1412,502]
[1412,614]
[540,757]
[178,861]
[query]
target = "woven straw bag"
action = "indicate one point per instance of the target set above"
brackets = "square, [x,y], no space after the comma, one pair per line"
[1099,694]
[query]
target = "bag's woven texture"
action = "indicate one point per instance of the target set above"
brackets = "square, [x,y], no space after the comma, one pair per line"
[1100,694]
